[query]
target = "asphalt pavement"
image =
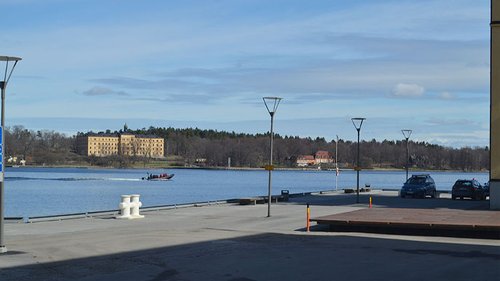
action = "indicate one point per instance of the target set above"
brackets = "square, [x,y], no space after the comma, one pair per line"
[240,243]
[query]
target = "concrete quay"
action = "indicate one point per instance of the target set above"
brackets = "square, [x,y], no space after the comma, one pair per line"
[239,243]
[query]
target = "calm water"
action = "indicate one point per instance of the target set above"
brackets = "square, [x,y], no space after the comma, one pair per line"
[53,191]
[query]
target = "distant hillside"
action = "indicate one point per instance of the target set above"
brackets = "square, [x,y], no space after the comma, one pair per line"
[212,148]
[253,150]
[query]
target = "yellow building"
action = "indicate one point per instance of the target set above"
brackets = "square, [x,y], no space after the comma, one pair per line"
[123,144]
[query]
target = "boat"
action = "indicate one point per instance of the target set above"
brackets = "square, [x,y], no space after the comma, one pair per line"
[159,177]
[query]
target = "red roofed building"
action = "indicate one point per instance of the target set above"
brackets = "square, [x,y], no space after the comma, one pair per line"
[320,157]
[305,160]
[323,156]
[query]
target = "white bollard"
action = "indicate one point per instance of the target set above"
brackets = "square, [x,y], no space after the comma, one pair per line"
[135,205]
[125,207]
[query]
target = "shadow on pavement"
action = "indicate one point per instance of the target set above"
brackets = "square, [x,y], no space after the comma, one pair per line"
[279,257]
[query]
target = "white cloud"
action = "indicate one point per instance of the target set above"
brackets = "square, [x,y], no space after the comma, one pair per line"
[446,96]
[403,90]
[457,139]
[102,91]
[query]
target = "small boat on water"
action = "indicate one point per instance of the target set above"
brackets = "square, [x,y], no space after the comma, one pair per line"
[159,177]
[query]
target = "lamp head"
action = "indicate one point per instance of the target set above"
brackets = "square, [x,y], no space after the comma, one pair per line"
[406,133]
[272,104]
[357,122]
[7,58]
[6,75]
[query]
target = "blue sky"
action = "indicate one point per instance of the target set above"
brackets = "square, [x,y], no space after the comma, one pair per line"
[96,65]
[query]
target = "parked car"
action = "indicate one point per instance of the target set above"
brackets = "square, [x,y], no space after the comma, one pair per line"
[421,186]
[468,188]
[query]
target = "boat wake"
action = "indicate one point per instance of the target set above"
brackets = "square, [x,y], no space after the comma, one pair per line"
[66,179]
[122,179]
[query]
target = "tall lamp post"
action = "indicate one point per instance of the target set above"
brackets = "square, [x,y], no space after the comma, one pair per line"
[272,104]
[357,122]
[407,134]
[3,86]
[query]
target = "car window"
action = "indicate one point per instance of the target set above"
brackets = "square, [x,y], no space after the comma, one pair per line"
[416,180]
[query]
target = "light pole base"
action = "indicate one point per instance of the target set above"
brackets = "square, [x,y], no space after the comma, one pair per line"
[3,249]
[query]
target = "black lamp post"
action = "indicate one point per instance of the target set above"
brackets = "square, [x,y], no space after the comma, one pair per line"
[357,122]
[272,104]
[3,86]
[407,134]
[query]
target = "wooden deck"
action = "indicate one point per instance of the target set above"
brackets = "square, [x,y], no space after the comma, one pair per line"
[446,222]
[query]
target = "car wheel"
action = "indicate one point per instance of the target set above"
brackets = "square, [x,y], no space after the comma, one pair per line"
[434,193]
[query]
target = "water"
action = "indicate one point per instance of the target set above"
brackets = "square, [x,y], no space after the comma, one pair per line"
[53,191]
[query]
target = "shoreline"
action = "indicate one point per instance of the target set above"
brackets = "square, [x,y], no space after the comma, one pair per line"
[239,168]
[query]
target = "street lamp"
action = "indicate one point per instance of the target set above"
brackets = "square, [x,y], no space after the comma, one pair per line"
[3,87]
[272,104]
[407,134]
[357,122]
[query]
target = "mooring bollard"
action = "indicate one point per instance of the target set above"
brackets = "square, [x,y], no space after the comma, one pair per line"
[136,204]
[370,201]
[130,209]
[124,207]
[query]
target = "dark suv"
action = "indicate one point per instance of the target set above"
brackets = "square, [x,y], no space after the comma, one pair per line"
[419,186]
[468,188]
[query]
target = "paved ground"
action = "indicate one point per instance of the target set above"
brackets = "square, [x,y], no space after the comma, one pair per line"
[239,243]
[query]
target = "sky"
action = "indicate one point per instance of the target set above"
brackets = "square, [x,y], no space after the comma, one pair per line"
[92,65]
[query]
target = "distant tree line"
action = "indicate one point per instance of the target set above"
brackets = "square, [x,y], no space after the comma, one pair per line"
[39,147]
[193,146]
